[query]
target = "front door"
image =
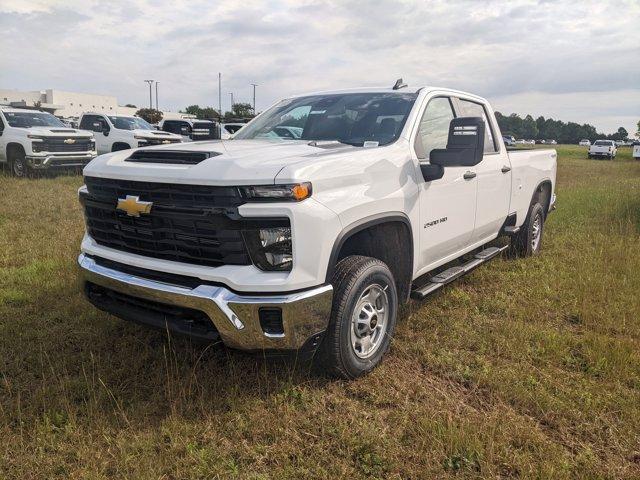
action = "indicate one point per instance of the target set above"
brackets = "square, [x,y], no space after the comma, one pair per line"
[96,124]
[447,205]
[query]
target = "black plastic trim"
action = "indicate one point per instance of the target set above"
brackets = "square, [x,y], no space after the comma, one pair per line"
[363,224]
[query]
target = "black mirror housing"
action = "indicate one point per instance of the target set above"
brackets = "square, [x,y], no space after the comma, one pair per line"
[465,145]
[431,171]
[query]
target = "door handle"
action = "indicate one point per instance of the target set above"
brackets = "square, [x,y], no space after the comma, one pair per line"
[505,169]
[469,175]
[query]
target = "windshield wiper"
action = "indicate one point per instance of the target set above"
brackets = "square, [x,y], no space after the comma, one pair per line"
[318,143]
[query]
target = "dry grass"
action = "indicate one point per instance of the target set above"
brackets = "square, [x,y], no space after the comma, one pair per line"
[527,368]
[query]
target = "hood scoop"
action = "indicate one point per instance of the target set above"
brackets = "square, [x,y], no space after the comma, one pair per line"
[170,157]
[62,131]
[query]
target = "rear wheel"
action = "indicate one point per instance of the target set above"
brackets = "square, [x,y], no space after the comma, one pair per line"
[363,317]
[528,240]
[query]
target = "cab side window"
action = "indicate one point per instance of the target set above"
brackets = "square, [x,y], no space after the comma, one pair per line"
[1,126]
[473,109]
[433,130]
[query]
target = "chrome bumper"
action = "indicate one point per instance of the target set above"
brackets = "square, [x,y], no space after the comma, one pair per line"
[305,315]
[60,160]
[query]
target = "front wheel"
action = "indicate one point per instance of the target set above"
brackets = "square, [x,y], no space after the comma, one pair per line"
[363,317]
[18,164]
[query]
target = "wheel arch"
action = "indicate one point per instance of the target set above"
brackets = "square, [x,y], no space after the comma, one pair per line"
[118,146]
[379,236]
[14,146]
[542,194]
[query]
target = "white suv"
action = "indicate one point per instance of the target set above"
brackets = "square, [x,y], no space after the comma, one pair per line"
[33,140]
[120,132]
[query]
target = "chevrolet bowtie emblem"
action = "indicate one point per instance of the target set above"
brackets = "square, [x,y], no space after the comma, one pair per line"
[70,141]
[132,206]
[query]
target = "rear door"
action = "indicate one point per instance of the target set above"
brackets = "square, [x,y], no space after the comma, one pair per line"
[493,174]
[447,205]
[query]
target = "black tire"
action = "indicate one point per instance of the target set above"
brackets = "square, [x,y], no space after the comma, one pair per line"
[354,277]
[589,155]
[523,244]
[18,164]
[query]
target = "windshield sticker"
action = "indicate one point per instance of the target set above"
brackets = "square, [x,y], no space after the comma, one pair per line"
[370,144]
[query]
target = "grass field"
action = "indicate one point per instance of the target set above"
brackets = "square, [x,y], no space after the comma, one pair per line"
[526,368]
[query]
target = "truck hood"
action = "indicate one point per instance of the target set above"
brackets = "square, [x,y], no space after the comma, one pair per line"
[58,132]
[155,134]
[233,162]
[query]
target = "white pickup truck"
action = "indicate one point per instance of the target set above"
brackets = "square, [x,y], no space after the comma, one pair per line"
[32,140]
[603,149]
[311,244]
[122,132]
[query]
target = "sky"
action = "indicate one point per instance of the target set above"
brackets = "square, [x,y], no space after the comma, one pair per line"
[569,60]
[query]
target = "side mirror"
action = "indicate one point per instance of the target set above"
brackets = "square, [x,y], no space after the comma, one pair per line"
[465,145]
[431,172]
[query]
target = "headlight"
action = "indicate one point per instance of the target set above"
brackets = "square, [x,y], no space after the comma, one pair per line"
[38,147]
[294,192]
[143,143]
[270,248]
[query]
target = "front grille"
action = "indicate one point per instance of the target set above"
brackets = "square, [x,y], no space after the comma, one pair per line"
[170,157]
[148,142]
[111,189]
[187,223]
[59,145]
[181,320]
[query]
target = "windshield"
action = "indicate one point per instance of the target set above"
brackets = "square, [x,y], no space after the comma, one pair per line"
[606,143]
[352,118]
[130,123]
[32,119]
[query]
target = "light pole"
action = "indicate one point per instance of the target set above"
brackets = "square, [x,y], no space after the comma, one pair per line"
[150,82]
[157,107]
[220,94]
[254,97]
[231,93]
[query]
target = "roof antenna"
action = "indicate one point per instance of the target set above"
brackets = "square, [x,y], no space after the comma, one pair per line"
[399,84]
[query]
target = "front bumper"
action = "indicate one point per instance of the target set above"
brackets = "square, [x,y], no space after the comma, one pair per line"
[236,317]
[53,160]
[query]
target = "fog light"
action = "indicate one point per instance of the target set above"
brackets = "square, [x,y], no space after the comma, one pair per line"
[271,320]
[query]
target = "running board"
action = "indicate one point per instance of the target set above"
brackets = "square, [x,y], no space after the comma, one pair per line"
[449,275]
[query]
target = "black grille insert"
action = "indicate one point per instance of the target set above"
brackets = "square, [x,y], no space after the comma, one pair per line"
[170,157]
[187,223]
[63,144]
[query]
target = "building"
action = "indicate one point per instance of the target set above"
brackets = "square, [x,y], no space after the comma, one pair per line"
[70,104]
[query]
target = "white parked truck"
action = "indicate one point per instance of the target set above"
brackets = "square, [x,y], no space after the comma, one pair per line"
[311,244]
[191,130]
[603,149]
[120,132]
[31,140]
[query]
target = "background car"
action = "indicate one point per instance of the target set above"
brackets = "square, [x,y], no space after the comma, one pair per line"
[584,143]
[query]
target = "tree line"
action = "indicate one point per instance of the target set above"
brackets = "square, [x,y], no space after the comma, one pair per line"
[239,111]
[547,128]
